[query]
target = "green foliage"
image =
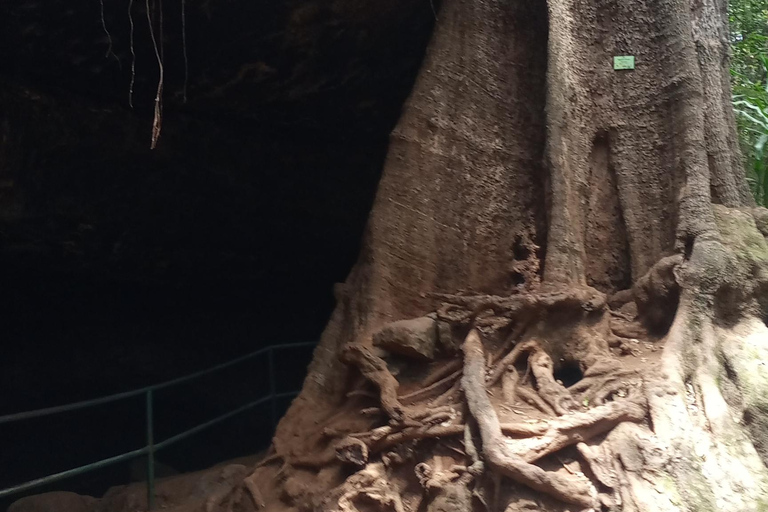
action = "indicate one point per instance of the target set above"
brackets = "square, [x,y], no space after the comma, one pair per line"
[749,74]
[753,132]
[748,21]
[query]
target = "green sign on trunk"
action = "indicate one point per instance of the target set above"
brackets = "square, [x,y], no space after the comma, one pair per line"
[624,62]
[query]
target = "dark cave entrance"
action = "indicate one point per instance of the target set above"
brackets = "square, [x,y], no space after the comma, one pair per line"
[122,267]
[217,258]
[223,240]
[568,373]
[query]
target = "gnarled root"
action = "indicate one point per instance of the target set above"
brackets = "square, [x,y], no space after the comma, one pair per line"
[370,484]
[571,489]
[375,369]
[577,427]
[461,309]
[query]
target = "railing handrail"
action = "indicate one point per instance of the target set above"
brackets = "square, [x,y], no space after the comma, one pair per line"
[46,411]
[151,445]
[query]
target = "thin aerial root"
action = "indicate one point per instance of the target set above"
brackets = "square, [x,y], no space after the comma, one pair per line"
[109,52]
[576,427]
[133,55]
[184,47]
[570,489]
[599,380]
[254,492]
[157,120]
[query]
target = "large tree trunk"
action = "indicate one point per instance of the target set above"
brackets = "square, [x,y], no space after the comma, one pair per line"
[587,237]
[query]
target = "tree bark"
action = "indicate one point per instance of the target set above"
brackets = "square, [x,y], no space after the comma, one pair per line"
[527,183]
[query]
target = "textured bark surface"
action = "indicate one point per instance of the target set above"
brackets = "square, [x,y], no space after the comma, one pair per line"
[525,181]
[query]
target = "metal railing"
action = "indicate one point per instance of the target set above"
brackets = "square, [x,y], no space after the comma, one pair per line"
[151,446]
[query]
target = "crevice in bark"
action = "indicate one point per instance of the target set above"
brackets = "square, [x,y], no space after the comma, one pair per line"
[607,252]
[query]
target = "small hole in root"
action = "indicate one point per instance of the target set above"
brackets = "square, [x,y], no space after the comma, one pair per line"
[516,278]
[569,374]
[519,249]
[689,240]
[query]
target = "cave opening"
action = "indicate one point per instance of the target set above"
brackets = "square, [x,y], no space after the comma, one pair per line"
[201,273]
[123,266]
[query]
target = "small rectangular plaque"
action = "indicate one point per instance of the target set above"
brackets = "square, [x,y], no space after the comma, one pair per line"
[624,62]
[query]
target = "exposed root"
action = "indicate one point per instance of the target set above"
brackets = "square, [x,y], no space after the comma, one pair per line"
[476,468]
[578,427]
[225,498]
[623,470]
[571,489]
[109,52]
[448,487]
[353,451]
[509,360]
[184,47]
[461,309]
[371,484]
[133,54]
[450,396]
[375,369]
[383,439]
[629,329]
[157,120]
[254,492]
[550,390]
[509,383]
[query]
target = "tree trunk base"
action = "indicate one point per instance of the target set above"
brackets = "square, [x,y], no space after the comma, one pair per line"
[666,423]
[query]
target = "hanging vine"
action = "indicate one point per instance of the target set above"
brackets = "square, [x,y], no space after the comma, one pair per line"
[157,121]
[155,22]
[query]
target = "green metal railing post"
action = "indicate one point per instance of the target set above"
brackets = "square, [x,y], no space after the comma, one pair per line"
[150,451]
[151,446]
